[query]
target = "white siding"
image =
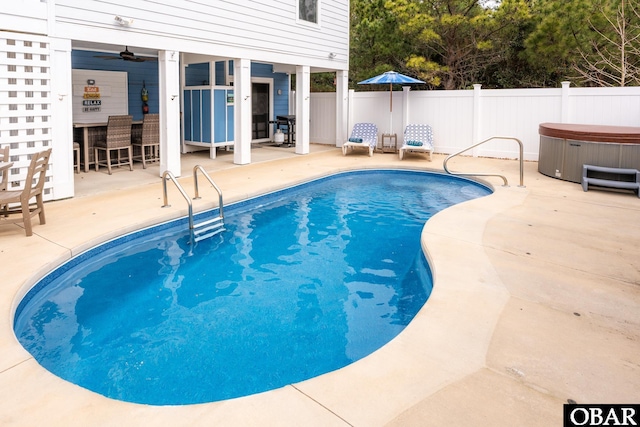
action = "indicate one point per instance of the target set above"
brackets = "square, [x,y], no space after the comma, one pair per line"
[24,15]
[264,30]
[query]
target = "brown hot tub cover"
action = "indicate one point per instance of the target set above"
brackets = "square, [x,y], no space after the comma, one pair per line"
[595,133]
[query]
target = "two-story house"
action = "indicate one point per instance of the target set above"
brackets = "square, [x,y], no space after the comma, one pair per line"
[217,72]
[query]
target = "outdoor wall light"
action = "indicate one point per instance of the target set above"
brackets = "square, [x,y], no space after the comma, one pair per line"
[332,55]
[123,21]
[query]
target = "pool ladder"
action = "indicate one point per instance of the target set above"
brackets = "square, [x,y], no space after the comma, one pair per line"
[204,229]
[504,178]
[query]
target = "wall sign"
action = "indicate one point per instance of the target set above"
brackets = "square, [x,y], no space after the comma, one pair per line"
[98,95]
[91,102]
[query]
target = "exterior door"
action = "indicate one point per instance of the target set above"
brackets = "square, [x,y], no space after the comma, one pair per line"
[260,111]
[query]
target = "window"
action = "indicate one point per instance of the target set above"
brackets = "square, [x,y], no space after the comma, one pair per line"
[308,10]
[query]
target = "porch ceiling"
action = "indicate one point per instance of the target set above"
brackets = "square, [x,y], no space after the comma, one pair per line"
[189,58]
[112,48]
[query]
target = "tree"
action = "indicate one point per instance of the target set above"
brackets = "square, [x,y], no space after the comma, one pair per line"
[593,42]
[611,57]
[455,41]
[453,44]
[511,67]
[376,44]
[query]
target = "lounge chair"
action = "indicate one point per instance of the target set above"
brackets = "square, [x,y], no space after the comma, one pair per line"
[33,188]
[417,139]
[363,135]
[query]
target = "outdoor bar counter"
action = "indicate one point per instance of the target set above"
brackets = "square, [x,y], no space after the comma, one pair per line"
[564,148]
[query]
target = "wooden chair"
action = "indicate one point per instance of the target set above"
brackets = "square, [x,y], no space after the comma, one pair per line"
[33,187]
[4,157]
[148,144]
[118,138]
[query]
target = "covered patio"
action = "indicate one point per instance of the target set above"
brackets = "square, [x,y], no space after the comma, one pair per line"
[220,101]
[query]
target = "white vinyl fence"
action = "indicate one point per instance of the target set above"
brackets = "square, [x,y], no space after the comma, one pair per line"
[462,118]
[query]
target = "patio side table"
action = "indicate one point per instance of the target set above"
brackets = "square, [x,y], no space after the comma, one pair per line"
[389,143]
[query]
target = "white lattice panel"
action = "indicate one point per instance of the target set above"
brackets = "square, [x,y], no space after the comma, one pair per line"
[25,103]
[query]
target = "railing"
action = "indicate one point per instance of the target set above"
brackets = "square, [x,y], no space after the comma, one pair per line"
[506,184]
[203,229]
[168,174]
[197,168]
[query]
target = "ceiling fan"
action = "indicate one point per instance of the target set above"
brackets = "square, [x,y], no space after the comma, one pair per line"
[127,55]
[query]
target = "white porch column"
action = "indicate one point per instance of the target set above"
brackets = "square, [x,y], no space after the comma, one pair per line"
[303,93]
[242,108]
[61,124]
[342,107]
[169,90]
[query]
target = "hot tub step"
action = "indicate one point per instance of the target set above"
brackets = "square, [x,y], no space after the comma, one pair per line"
[614,182]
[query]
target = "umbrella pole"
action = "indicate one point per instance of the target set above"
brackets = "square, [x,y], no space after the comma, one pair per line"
[390,108]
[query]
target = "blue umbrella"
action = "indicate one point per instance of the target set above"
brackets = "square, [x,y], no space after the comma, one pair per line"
[390,77]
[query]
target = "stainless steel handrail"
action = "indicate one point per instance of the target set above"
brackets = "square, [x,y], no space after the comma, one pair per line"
[506,184]
[197,168]
[168,174]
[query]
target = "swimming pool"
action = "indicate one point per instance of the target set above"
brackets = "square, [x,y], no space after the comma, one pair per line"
[304,281]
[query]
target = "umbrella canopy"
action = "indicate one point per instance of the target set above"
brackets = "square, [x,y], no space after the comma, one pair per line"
[390,78]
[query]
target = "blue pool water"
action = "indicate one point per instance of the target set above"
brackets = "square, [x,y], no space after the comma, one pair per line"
[303,281]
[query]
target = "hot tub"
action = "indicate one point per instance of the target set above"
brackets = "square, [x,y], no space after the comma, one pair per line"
[564,148]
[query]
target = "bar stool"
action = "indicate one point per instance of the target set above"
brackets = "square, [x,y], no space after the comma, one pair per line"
[76,156]
[118,138]
[147,146]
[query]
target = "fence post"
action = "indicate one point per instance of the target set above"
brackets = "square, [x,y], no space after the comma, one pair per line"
[564,103]
[406,93]
[477,113]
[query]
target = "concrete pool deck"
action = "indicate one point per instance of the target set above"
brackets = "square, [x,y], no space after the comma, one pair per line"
[536,300]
